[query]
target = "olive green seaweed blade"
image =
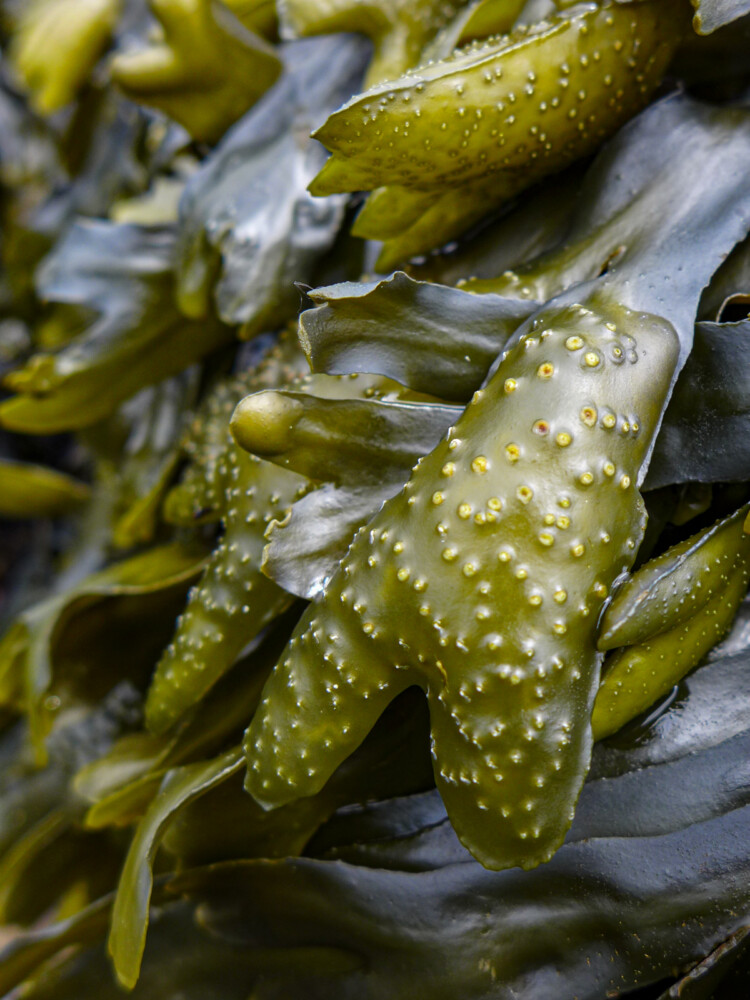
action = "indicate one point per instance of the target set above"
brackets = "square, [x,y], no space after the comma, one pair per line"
[55,45]
[675,586]
[354,441]
[127,937]
[479,19]
[36,491]
[233,601]
[449,215]
[362,449]
[434,338]
[482,581]
[637,676]
[399,29]
[529,101]
[667,616]
[256,15]
[357,438]
[205,71]
[644,202]
[391,210]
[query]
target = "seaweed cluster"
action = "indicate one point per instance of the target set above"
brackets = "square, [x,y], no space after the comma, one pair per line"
[370,632]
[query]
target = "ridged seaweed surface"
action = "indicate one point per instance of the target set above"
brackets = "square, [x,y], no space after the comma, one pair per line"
[458,136]
[483,582]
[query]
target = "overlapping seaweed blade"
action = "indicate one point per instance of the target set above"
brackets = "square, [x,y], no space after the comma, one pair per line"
[449,573]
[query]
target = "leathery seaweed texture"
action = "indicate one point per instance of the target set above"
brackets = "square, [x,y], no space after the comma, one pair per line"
[455,137]
[530,502]
[604,368]
[233,600]
[667,616]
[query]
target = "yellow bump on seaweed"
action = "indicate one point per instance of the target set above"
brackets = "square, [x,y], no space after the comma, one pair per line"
[588,416]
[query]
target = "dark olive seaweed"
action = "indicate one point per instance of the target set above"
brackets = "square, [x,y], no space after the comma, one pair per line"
[365,633]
